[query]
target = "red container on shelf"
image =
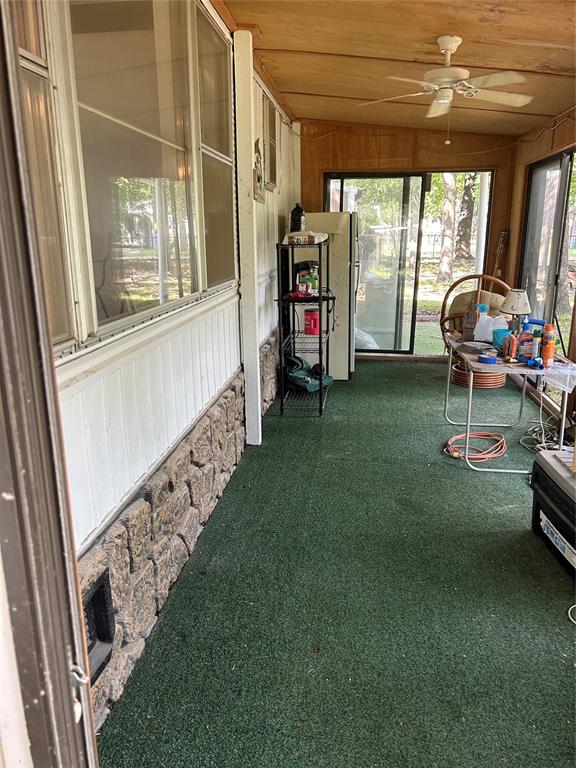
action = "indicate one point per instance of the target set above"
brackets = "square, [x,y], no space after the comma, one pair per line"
[312,322]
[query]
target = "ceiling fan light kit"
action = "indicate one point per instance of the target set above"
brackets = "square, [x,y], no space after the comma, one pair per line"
[447,80]
[444,96]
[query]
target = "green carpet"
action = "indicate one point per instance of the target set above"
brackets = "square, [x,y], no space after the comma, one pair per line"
[359,599]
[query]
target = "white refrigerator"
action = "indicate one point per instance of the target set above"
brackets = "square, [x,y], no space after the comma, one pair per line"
[344,268]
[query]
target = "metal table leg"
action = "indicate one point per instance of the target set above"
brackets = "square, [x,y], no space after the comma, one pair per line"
[478,423]
[562,419]
[470,424]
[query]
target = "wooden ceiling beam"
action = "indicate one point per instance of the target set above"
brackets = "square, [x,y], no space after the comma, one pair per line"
[228,19]
[262,73]
[254,28]
[410,116]
[551,73]
[419,104]
[223,11]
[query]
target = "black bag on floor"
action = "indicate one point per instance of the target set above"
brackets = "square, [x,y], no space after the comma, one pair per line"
[300,375]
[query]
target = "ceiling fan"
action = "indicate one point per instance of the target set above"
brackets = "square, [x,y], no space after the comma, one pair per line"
[447,80]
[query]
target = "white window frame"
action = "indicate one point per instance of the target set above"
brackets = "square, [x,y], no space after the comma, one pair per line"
[60,54]
[204,149]
[42,67]
[267,105]
[282,119]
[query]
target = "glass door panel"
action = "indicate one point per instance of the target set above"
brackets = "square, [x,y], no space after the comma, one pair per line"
[389,214]
[567,271]
[549,255]
[539,265]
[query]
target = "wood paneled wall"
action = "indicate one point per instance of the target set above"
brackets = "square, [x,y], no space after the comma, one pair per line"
[558,136]
[339,147]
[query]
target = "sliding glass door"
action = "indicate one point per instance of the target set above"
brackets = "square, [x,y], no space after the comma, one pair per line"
[549,254]
[389,212]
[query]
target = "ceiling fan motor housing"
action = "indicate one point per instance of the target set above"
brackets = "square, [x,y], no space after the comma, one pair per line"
[446,75]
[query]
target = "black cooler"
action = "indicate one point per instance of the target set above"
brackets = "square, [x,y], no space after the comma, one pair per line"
[554,504]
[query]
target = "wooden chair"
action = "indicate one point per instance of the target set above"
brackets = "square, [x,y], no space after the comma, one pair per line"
[452,315]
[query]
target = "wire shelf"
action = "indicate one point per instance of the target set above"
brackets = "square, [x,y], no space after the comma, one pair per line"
[299,341]
[293,339]
[298,398]
[307,300]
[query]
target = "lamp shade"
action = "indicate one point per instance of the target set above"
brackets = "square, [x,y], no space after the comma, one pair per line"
[516,303]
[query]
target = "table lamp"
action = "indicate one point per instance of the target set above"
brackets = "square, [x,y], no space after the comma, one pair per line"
[516,303]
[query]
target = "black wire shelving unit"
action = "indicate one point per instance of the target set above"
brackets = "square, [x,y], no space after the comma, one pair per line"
[293,339]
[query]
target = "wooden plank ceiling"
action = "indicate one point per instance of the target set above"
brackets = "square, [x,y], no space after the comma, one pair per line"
[325,57]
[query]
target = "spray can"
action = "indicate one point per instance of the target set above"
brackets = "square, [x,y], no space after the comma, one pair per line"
[548,347]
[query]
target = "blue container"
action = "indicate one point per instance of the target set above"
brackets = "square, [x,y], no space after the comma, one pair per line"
[498,336]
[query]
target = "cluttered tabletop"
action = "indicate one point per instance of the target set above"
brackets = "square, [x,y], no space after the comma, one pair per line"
[531,349]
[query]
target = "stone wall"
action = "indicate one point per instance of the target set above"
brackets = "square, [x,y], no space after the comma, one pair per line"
[149,542]
[269,362]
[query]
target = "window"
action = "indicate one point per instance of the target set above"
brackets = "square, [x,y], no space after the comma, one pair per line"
[28,27]
[549,254]
[40,139]
[217,160]
[148,157]
[131,64]
[270,144]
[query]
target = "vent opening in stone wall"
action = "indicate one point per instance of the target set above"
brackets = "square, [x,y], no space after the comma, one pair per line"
[99,624]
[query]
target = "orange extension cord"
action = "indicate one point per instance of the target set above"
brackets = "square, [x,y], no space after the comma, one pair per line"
[456,445]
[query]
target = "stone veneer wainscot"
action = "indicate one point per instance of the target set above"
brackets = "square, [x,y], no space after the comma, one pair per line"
[150,540]
[269,362]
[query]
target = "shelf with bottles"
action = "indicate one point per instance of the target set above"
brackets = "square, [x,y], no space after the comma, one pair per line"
[327,296]
[303,280]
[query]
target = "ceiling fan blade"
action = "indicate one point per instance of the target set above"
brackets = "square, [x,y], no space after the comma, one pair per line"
[496,78]
[431,86]
[438,108]
[393,98]
[503,97]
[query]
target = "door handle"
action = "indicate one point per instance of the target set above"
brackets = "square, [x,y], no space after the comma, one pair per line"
[78,680]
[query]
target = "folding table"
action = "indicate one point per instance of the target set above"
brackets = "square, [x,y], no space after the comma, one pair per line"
[472,367]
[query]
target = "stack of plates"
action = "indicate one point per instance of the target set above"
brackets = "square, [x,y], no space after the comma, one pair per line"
[489,380]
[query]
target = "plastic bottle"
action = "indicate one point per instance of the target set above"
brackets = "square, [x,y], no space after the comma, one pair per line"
[483,327]
[548,347]
[537,343]
[499,323]
[525,342]
[297,219]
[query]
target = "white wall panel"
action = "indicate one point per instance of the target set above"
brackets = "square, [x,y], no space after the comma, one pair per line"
[273,215]
[119,418]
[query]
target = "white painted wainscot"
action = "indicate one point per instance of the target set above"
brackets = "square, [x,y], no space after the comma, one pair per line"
[125,404]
